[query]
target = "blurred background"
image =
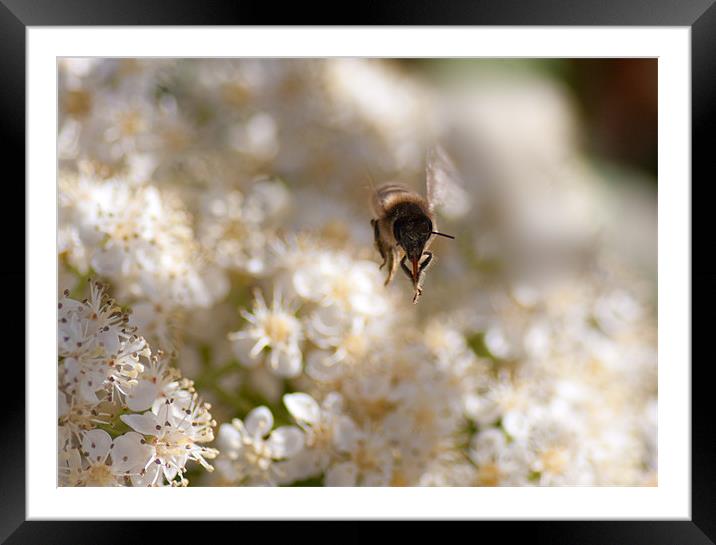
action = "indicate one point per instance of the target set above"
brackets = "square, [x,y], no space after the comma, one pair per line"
[615,100]
[193,186]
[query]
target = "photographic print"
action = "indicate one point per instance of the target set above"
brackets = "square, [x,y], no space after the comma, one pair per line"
[357,272]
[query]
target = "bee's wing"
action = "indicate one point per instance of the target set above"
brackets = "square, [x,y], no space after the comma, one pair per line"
[445,188]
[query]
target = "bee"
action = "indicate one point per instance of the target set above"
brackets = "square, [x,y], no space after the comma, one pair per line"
[404,223]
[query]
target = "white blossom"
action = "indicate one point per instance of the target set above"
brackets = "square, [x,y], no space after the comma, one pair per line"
[251,450]
[173,437]
[107,375]
[276,329]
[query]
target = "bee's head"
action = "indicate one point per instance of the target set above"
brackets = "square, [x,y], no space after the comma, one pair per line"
[412,233]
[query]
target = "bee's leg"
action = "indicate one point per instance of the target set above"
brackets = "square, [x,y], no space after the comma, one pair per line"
[392,260]
[421,273]
[421,270]
[424,264]
[378,244]
[409,274]
[405,268]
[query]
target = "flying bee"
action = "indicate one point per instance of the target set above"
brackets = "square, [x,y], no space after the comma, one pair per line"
[404,225]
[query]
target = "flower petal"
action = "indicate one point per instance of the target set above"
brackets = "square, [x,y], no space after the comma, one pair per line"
[89,384]
[229,439]
[286,363]
[320,366]
[109,341]
[143,423]
[333,403]
[96,444]
[108,261]
[302,407]
[259,422]
[142,396]
[169,472]
[130,453]
[151,476]
[345,434]
[285,441]
[242,347]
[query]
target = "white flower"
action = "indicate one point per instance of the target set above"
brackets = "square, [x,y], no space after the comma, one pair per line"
[115,371]
[384,99]
[100,352]
[142,239]
[250,449]
[233,230]
[100,378]
[498,462]
[100,461]
[615,311]
[158,323]
[78,415]
[276,329]
[174,437]
[370,463]
[334,278]
[497,343]
[443,340]
[328,431]
[96,445]
[158,383]
[69,467]
[556,447]
[342,341]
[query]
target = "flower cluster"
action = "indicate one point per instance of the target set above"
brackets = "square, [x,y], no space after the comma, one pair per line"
[226,202]
[124,415]
[374,406]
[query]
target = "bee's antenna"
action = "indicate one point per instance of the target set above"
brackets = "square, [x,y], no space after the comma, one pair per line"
[443,235]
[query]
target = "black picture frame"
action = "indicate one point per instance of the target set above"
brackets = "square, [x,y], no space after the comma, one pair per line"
[700,15]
